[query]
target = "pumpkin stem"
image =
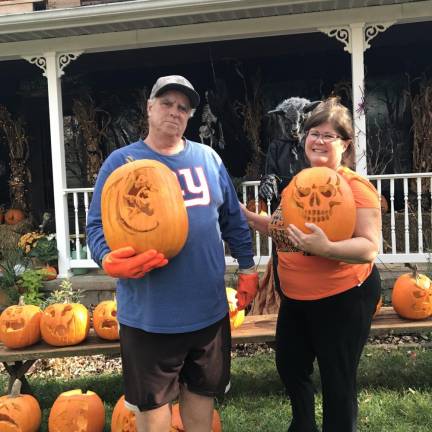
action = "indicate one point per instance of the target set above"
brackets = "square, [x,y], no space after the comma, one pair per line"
[16,389]
[21,301]
[414,269]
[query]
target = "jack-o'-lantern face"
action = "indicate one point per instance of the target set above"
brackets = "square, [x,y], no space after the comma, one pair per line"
[20,326]
[123,420]
[10,417]
[105,320]
[143,207]
[77,412]
[65,324]
[321,196]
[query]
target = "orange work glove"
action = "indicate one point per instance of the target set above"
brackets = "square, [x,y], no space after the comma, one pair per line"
[247,286]
[127,264]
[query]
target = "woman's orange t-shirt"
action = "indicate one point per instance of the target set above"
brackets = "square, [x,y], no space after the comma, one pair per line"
[305,277]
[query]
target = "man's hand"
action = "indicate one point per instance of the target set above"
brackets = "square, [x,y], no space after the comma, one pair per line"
[127,264]
[268,187]
[247,286]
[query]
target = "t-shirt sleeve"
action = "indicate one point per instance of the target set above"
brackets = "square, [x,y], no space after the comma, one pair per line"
[365,194]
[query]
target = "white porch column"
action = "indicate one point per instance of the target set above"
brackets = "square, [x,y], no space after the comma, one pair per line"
[356,39]
[52,64]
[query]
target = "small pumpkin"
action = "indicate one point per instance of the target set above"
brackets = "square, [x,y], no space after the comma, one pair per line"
[143,207]
[20,325]
[105,321]
[122,420]
[177,424]
[48,272]
[236,317]
[13,216]
[19,412]
[64,324]
[412,295]
[321,196]
[74,410]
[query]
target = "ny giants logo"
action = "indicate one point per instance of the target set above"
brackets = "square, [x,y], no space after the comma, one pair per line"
[195,190]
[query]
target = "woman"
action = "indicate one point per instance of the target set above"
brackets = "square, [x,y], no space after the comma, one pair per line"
[330,289]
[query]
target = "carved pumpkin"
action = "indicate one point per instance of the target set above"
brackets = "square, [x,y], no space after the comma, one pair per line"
[143,207]
[13,216]
[105,321]
[19,412]
[412,296]
[321,196]
[20,325]
[236,317]
[177,424]
[78,412]
[48,272]
[122,420]
[65,324]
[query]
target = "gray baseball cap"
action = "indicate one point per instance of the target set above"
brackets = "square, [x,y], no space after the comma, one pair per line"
[175,82]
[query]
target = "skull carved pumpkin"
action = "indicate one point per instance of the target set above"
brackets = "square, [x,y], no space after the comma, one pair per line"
[412,296]
[122,420]
[20,325]
[19,412]
[75,411]
[143,207]
[105,321]
[321,196]
[64,324]
[177,424]
[236,317]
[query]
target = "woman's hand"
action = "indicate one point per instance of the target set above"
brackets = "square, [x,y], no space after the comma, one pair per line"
[315,243]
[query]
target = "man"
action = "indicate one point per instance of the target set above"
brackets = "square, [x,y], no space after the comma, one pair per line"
[174,323]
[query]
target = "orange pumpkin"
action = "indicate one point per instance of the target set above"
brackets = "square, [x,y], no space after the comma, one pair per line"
[20,325]
[77,411]
[143,207]
[19,412]
[13,216]
[236,317]
[321,196]
[412,296]
[48,273]
[65,324]
[122,420]
[105,321]
[177,424]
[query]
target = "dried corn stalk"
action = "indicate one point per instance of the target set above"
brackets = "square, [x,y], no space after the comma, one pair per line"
[13,131]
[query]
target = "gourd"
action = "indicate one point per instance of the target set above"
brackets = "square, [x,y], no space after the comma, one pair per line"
[74,410]
[143,207]
[105,321]
[412,295]
[123,419]
[236,317]
[64,324]
[177,424]
[20,325]
[19,412]
[321,196]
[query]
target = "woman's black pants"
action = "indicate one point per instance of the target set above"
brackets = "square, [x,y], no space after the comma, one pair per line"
[333,331]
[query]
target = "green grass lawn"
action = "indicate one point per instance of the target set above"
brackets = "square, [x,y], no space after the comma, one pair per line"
[395,393]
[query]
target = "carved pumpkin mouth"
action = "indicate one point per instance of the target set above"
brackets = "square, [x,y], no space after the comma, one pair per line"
[15,325]
[9,420]
[59,330]
[109,324]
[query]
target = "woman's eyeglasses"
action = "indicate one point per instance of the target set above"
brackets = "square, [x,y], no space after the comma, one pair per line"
[327,138]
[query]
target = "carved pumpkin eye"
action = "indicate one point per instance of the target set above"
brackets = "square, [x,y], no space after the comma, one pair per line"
[327,190]
[303,192]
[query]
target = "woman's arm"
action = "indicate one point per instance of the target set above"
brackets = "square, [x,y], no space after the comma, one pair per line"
[363,247]
[256,221]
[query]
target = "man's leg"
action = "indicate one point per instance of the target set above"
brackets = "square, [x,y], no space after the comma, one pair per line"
[155,420]
[196,411]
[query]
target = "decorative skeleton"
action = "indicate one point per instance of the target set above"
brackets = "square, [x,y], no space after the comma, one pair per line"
[206,131]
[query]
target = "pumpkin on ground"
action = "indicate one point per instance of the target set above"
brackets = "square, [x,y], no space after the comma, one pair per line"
[64,324]
[412,295]
[122,420]
[143,207]
[20,325]
[177,424]
[321,196]
[13,216]
[19,412]
[236,317]
[77,411]
[105,321]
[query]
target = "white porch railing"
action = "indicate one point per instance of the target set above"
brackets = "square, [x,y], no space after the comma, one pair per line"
[406,233]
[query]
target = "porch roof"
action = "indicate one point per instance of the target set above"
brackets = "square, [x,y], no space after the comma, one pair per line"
[126,16]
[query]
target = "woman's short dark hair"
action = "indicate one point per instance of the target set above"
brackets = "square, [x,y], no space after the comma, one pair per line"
[333,112]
